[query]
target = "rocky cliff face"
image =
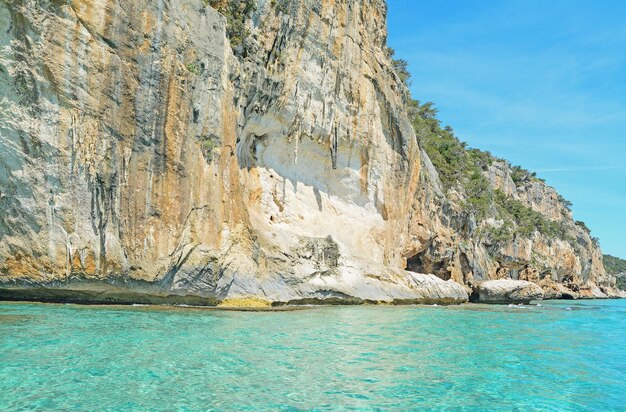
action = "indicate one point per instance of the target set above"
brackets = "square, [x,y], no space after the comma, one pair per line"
[146,154]
[527,233]
[616,267]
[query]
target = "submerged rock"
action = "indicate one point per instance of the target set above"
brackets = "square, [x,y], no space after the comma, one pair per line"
[508,291]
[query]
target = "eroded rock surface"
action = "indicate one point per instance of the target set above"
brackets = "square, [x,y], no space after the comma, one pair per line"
[508,291]
[452,243]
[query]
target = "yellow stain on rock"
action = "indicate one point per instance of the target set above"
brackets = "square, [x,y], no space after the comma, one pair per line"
[246,302]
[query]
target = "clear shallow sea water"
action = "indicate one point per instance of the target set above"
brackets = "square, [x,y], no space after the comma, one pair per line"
[559,356]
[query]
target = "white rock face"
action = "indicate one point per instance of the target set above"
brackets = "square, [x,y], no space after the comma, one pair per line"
[508,291]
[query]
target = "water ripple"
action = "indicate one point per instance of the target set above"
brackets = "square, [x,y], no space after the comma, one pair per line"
[469,357]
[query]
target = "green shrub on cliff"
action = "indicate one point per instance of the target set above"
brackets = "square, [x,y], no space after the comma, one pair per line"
[500,234]
[479,194]
[193,68]
[237,13]
[462,168]
[518,175]
[526,219]
[448,154]
[519,220]
[280,6]
[400,67]
[566,203]
[614,265]
[582,225]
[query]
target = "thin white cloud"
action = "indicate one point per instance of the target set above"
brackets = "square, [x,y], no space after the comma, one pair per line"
[578,169]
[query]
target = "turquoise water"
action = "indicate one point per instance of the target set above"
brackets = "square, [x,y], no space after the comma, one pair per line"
[561,356]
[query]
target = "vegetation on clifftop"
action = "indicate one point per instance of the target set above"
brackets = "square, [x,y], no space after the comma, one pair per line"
[400,67]
[237,13]
[616,266]
[463,169]
[526,220]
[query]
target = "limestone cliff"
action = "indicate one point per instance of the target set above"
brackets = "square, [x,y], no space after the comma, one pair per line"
[616,267]
[526,233]
[150,151]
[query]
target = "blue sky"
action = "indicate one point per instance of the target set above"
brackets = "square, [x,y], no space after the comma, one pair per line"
[540,83]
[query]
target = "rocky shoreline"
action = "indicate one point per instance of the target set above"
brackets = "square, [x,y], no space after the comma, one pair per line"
[505,291]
